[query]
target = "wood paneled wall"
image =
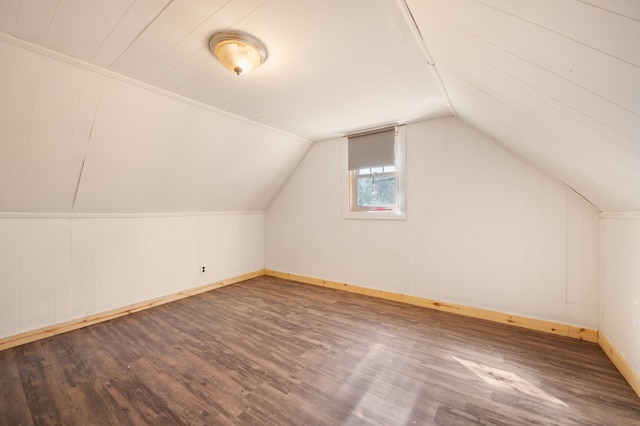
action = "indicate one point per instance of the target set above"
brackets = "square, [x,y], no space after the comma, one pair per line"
[483,229]
[55,269]
[78,139]
[621,290]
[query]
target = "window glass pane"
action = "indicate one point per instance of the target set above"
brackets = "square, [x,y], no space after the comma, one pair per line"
[379,191]
[377,169]
[390,168]
[364,171]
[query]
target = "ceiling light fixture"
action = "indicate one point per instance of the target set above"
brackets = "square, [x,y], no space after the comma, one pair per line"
[239,52]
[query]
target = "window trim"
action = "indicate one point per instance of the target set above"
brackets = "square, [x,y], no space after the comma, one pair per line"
[400,210]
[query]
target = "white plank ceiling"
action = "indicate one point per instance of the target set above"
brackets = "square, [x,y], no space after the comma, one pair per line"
[118,106]
[556,81]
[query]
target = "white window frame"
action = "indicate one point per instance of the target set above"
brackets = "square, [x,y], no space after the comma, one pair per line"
[399,212]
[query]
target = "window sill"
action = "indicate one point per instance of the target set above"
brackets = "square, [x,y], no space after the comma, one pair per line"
[385,215]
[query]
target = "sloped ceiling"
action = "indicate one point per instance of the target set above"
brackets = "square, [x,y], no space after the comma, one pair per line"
[118,106]
[557,82]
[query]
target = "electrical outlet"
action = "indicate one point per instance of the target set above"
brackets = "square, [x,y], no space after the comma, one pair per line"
[202,269]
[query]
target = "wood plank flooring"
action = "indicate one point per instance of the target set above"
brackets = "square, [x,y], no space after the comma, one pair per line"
[274,352]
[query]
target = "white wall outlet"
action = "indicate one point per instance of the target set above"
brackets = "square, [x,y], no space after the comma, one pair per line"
[202,269]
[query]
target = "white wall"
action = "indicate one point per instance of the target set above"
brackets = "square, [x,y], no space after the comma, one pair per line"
[55,269]
[621,284]
[79,139]
[483,229]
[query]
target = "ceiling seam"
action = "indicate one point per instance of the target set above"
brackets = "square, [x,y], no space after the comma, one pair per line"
[551,30]
[108,67]
[53,16]
[113,28]
[413,26]
[176,44]
[524,59]
[549,96]
[609,10]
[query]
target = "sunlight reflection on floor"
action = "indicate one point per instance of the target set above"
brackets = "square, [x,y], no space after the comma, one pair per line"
[508,381]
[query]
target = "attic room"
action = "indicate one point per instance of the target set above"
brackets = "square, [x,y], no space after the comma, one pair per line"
[146,189]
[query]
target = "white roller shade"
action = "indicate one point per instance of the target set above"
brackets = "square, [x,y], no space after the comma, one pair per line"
[372,149]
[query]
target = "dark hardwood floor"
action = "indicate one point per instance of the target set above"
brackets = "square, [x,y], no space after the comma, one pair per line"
[274,352]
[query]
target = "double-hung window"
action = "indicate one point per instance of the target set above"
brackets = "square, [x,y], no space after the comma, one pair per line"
[375,163]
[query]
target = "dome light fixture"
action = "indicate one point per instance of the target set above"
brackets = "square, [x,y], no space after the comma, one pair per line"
[237,51]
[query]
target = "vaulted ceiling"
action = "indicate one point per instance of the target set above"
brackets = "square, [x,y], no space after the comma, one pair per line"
[118,106]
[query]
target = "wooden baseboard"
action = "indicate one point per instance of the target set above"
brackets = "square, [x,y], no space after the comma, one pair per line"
[31,336]
[620,362]
[515,320]
[530,323]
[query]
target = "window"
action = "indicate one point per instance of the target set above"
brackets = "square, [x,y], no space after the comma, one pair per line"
[373,188]
[375,175]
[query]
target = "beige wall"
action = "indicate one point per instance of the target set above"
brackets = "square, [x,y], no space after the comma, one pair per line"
[56,269]
[483,229]
[621,284]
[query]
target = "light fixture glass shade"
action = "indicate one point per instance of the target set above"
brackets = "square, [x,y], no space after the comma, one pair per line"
[237,51]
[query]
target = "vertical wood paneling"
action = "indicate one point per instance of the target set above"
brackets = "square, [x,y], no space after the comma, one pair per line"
[94,190]
[162,244]
[100,285]
[483,228]
[437,201]
[73,140]
[81,135]
[621,289]
[492,232]
[5,81]
[243,248]
[137,259]
[554,253]
[516,251]
[114,261]
[534,241]
[82,265]
[138,158]
[207,248]
[56,96]
[63,274]
[186,254]
[37,273]
[54,270]
[592,267]
[24,66]
[582,260]
[463,166]
[9,277]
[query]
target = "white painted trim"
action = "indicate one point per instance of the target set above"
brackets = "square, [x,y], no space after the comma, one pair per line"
[110,74]
[627,215]
[19,215]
